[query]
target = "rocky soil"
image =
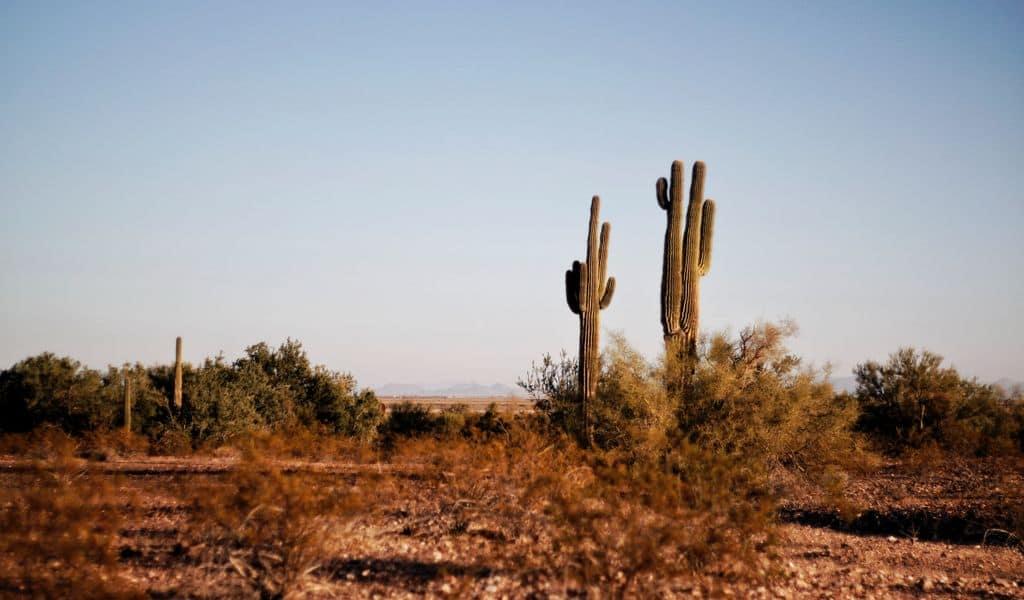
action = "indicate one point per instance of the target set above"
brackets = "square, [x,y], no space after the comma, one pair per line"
[909,532]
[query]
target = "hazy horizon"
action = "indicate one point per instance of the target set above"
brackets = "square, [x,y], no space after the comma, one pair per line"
[402,186]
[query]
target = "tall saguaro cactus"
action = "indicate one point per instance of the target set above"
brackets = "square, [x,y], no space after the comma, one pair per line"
[177,373]
[687,255]
[127,400]
[588,292]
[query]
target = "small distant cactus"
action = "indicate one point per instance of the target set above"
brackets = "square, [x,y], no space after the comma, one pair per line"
[687,256]
[587,293]
[127,400]
[177,374]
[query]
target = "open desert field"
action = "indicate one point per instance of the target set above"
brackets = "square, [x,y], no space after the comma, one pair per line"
[185,527]
[511,300]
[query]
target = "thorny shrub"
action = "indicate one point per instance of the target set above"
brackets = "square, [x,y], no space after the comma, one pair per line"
[631,411]
[273,528]
[593,519]
[59,533]
[749,396]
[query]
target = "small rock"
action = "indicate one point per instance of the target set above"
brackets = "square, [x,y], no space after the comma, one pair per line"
[926,584]
[892,538]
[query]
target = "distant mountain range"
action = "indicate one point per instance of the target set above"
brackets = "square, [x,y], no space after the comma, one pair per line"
[458,390]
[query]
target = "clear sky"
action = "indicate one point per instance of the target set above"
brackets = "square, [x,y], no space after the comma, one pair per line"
[402,186]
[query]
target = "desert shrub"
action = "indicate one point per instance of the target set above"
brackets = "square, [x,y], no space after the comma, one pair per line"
[217,407]
[102,444]
[631,410]
[56,390]
[409,420]
[267,389]
[913,400]
[749,396]
[270,527]
[493,423]
[591,519]
[59,535]
[626,526]
[334,402]
[553,387]
[313,443]
[46,442]
[275,390]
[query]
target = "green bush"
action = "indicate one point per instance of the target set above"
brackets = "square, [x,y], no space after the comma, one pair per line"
[59,391]
[267,390]
[913,400]
[750,396]
[408,420]
[746,395]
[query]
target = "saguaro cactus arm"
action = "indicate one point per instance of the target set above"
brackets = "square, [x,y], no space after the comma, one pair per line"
[572,289]
[609,291]
[707,231]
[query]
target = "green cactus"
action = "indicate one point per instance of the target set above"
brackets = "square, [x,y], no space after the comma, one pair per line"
[588,292]
[687,256]
[177,374]
[127,400]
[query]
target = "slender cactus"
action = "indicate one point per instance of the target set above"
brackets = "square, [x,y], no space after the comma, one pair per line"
[177,374]
[588,292]
[687,255]
[127,400]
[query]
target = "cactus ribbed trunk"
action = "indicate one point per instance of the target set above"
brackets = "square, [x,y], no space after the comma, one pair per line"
[687,256]
[587,292]
[127,401]
[177,373]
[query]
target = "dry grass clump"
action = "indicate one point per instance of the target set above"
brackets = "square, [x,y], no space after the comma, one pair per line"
[43,443]
[631,528]
[270,527]
[309,443]
[59,534]
[593,520]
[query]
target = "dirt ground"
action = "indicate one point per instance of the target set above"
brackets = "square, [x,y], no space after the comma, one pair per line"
[914,532]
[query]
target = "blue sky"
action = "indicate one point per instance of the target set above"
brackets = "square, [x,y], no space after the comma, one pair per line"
[402,185]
